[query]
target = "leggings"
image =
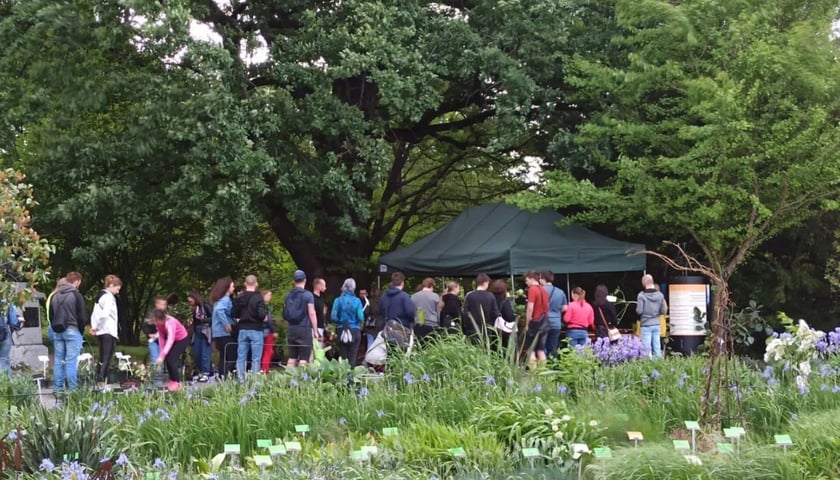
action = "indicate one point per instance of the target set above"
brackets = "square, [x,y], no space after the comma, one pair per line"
[350,351]
[173,359]
[227,354]
[107,345]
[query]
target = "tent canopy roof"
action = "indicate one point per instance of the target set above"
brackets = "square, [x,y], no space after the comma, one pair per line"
[503,239]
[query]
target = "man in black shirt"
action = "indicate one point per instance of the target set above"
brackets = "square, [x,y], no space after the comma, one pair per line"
[249,311]
[480,307]
[319,286]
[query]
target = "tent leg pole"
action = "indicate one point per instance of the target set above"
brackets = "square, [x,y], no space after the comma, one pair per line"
[512,284]
[379,283]
[568,286]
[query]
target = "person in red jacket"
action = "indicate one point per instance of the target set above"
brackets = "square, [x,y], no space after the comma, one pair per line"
[579,317]
[269,334]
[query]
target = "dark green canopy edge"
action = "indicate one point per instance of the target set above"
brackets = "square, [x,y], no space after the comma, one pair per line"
[502,239]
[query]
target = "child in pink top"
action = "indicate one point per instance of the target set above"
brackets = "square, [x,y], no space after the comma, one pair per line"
[174,339]
[579,317]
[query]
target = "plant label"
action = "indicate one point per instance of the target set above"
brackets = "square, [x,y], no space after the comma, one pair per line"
[301,428]
[359,455]
[390,431]
[264,442]
[232,449]
[603,452]
[530,452]
[580,448]
[635,436]
[457,452]
[293,446]
[731,433]
[739,430]
[681,445]
[693,460]
[275,450]
[783,440]
[692,425]
[725,448]
[370,450]
[263,460]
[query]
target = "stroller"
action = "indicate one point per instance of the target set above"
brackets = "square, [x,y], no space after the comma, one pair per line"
[394,334]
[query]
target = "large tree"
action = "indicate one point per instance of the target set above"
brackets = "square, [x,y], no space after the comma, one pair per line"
[720,125]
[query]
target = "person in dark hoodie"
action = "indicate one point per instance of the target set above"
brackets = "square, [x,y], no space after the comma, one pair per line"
[650,304]
[480,308]
[249,311]
[67,318]
[395,304]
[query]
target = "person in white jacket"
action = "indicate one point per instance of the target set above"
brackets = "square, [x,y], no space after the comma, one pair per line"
[103,324]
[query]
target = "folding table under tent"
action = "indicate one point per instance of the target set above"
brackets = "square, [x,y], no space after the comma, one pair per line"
[501,239]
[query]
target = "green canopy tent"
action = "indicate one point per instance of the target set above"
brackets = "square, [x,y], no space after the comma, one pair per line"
[501,239]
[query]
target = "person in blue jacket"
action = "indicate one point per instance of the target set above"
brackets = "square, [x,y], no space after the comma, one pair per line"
[395,304]
[222,324]
[347,312]
[9,322]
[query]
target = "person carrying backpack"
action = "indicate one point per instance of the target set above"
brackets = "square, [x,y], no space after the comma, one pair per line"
[9,322]
[67,317]
[299,313]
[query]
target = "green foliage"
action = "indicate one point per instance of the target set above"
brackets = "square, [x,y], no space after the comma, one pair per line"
[716,124]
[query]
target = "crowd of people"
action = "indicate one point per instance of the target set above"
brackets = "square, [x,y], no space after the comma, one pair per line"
[243,330]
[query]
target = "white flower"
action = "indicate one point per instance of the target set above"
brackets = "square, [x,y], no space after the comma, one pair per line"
[593,423]
[801,381]
[565,418]
[549,412]
[555,427]
[805,368]
[558,434]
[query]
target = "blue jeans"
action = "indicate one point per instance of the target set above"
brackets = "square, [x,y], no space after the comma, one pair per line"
[370,339]
[154,351]
[552,342]
[650,338]
[577,337]
[68,346]
[6,352]
[249,340]
[201,348]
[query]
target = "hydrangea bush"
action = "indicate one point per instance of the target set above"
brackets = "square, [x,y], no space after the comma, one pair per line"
[791,353]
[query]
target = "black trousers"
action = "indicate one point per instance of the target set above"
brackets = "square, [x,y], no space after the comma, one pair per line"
[350,351]
[107,346]
[173,359]
[226,347]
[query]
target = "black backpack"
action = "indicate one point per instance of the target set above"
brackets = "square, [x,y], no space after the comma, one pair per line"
[294,308]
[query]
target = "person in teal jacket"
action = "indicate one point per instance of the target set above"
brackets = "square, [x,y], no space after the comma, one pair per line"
[347,312]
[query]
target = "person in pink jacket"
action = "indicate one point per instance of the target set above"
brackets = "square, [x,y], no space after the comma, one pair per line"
[579,317]
[174,339]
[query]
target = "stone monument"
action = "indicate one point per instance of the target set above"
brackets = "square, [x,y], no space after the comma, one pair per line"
[28,342]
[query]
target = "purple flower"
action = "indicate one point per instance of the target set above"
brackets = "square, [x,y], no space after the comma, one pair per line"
[425,378]
[408,378]
[159,464]
[117,418]
[305,377]
[13,435]
[164,415]
[803,389]
[243,400]
[363,392]
[380,413]
[655,374]
[47,466]
[824,387]
[173,475]
[768,372]
[836,389]
[538,388]
[561,389]
[122,460]
[293,383]
[489,380]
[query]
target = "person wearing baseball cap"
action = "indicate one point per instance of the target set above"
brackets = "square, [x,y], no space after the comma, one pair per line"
[299,313]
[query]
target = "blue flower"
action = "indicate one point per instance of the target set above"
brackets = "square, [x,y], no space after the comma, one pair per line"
[836,389]
[122,460]
[408,378]
[489,380]
[159,464]
[47,466]
[602,387]
[823,387]
[117,418]
[538,388]
[803,389]
[173,475]
[380,413]
[363,392]
[243,400]
[305,377]
[13,435]
[561,389]
[164,415]
[655,374]
[425,378]
[293,383]
[342,421]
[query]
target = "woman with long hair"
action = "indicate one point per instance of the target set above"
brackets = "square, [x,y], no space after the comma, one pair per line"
[222,324]
[605,315]
[202,346]
[500,291]
[579,317]
[174,340]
